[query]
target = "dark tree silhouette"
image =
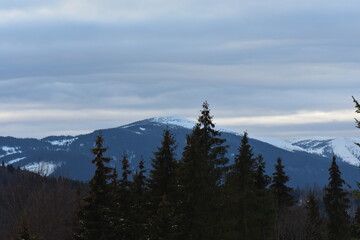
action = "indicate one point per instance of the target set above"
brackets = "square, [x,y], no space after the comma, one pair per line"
[336,204]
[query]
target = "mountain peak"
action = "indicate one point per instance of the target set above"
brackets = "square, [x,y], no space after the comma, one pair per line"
[174,120]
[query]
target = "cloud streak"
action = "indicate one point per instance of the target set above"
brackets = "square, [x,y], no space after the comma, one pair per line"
[262,65]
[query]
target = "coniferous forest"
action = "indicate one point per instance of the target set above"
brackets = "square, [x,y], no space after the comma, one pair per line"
[195,196]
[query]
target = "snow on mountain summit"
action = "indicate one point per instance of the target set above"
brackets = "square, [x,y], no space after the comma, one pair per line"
[344,148]
[174,120]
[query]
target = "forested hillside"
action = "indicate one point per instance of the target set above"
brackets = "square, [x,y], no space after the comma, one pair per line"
[198,195]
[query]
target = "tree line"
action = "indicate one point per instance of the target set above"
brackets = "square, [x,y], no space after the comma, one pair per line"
[202,196]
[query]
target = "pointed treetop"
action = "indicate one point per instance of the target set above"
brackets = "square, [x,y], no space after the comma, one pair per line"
[261,179]
[357,106]
[99,150]
[125,168]
[205,118]
[335,180]
[279,188]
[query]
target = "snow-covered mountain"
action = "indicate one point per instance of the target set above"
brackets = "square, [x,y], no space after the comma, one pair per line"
[307,160]
[344,149]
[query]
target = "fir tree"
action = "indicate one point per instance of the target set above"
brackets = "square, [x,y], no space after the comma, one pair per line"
[163,189]
[279,189]
[123,222]
[163,180]
[96,215]
[264,211]
[241,190]
[140,205]
[163,224]
[261,179]
[249,206]
[312,229]
[357,106]
[201,172]
[336,204]
[282,200]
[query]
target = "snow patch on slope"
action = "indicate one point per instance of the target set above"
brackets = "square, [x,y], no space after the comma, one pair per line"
[42,168]
[9,150]
[63,142]
[15,160]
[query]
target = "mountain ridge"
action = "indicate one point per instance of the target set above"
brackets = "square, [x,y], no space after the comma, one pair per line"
[70,156]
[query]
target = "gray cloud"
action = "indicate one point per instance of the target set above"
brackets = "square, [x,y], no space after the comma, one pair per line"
[150,58]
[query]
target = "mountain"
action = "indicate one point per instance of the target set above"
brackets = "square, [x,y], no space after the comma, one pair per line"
[344,148]
[306,160]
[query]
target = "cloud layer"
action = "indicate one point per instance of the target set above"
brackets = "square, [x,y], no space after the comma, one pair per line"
[275,68]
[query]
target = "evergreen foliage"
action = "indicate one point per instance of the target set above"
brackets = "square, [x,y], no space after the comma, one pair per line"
[279,189]
[163,190]
[241,191]
[163,179]
[264,210]
[201,171]
[313,228]
[336,204]
[282,200]
[249,208]
[140,204]
[261,179]
[96,215]
[123,223]
[163,223]
[357,106]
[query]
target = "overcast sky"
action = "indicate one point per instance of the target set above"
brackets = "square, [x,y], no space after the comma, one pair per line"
[275,68]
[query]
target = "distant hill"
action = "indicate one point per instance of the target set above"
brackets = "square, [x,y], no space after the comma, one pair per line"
[306,160]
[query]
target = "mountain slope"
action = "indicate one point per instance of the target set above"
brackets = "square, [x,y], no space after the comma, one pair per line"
[70,156]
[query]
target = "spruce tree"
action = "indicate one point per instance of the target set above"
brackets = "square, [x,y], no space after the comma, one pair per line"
[336,205]
[312,229]
[163,179]
[124,223]
[140,204]
[282,200]
[96,215]
[201,171]
[261,179]
[163,223]
[279,189]
[264,223]
[357,106]
[241,191]
[249,209]
[163,189]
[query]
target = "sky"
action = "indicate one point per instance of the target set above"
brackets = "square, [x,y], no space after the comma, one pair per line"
[274,68]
